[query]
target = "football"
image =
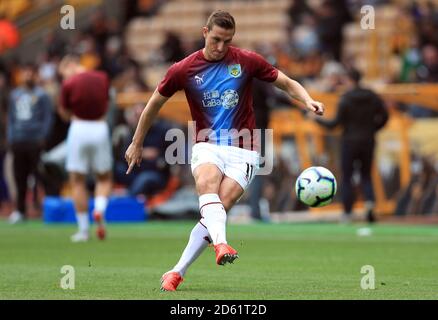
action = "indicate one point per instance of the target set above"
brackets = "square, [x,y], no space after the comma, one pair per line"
[316,186]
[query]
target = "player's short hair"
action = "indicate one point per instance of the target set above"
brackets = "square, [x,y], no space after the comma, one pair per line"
[221,19]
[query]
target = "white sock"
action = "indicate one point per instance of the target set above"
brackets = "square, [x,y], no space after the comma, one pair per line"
[198,241]
[215,217]
[100,204]
[83,223]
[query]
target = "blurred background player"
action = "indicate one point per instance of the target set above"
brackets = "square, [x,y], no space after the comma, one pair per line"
[84,99]
[217,82]
[30,118]
[361,113]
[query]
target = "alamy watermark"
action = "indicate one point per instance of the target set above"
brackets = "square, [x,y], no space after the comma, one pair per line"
[368,281]
[368,17]
[67,22]
[68,281]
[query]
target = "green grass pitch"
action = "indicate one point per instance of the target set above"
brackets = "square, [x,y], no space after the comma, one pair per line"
[277,261]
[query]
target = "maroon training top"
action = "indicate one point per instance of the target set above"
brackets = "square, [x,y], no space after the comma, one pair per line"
[86,95]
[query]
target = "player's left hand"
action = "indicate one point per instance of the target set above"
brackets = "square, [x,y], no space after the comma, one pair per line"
[316,107]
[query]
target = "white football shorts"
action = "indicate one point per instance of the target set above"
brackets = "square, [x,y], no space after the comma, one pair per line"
[236,163]
[89,147]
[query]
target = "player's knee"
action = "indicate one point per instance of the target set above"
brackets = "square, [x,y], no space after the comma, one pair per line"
[208,184]
[77,179]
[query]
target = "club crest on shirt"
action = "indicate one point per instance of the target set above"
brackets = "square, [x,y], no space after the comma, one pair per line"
[235,70]
[229,99]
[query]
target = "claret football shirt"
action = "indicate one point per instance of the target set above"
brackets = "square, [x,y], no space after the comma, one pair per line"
[219,92]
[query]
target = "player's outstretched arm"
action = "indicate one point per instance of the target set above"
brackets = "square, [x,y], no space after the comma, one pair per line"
[134,151]
[297,91]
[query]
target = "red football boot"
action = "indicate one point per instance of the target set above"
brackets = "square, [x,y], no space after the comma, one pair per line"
[100,231]
[170,281]
[224,254]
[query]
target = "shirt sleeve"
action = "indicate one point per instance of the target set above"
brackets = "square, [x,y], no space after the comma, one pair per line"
[262,69]
[172,81]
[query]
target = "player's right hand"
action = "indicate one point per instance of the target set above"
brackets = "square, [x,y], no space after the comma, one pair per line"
[133,156]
